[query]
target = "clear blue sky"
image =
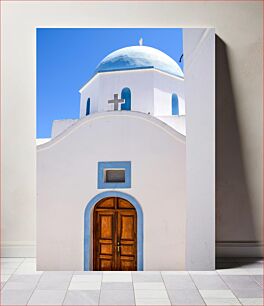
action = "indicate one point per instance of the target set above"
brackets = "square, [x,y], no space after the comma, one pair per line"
[67,58]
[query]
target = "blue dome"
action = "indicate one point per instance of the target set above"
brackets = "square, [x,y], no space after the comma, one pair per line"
[139,57]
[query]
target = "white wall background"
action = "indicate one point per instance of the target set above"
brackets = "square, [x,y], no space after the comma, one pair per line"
[238,24]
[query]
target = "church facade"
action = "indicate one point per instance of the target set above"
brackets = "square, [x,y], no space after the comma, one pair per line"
[111,186]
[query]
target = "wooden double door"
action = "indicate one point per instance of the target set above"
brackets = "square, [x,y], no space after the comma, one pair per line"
[114,235]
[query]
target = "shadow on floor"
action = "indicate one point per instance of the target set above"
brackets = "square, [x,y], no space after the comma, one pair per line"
[229,263]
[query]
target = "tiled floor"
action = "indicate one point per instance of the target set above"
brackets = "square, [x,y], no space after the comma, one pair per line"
[237,282]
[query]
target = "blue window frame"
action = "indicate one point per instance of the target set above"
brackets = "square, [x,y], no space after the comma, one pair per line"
[88,105]
[103,167]
[174,104]
[126,95]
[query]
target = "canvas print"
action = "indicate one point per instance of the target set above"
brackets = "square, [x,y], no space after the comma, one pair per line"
[111,156]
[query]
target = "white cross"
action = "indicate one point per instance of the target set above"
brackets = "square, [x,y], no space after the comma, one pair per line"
[116,101]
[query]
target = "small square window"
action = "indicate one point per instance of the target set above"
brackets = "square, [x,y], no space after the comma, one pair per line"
[114,176]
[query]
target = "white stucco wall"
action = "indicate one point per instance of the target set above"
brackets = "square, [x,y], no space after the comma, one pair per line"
[58,126]
[151,91]
[67,181]
[40,141]
[176,122]
[164,86]
[103,87]
[200,144]
[93,93]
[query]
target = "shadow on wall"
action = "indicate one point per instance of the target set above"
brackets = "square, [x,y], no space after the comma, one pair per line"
[234,215]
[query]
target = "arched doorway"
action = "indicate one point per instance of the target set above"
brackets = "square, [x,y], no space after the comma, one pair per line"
[88,227]
[114,235]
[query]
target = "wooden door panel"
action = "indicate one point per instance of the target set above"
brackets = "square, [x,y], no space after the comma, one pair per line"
[127,226]
[106,203]
[106,224]
[115,235]
[127,264]
[106,248]
[127,250]
[104,238]
[122,204]
[105,264]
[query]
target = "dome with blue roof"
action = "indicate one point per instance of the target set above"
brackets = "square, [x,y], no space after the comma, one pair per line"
[139,57]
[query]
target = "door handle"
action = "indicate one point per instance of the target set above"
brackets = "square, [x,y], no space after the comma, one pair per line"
[118,247]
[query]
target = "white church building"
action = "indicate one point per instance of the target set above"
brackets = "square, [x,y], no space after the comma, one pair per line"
[111,186]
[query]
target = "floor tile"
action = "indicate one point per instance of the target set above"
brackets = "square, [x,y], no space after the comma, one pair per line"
[233,271]
[22,282]
[8,270]
[15,297]
[151,302]
[252,301]
[117,286]
[87,297]
[178,282]
[5,277]
[87,273]
[221,301]
[240,282]
[146,276]
[254,271]
[50,274]
[47,297]
[258,279]
[87,278]
[30,260]
[117,277]
[185,297]
[116,272]
[20,285]
[117,297]
[11,265]
[218,294]
[248,293]
[203,273]
[12,259]
[151,294]
[152,285]
[85,286]
[24,278]
[27,268]
[208,282]
[174,273]
[149,287]
[54,280]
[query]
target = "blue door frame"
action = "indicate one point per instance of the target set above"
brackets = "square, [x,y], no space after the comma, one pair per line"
[87,225]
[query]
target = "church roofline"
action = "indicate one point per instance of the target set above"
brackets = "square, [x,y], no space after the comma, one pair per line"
[150,68]
[142,116]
